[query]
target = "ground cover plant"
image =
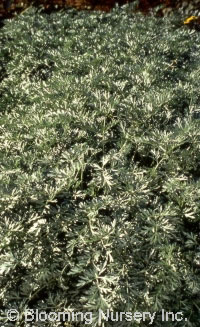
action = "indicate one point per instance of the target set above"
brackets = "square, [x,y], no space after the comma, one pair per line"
[99,195]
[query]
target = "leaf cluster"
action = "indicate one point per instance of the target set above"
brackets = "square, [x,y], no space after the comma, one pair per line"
[99,165]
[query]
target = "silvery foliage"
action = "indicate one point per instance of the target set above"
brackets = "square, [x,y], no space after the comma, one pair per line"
[99,165]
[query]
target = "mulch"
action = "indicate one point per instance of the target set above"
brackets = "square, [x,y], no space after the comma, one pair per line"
[11,8]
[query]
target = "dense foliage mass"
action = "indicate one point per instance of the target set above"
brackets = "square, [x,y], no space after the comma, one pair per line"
[100,153]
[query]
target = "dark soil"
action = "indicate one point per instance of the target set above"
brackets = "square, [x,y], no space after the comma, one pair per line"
[11,8]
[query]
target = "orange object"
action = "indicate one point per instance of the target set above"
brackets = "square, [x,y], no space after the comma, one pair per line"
[193,22]
[190,19]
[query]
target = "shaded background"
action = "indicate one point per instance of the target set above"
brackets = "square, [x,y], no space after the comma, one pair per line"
[10,8]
